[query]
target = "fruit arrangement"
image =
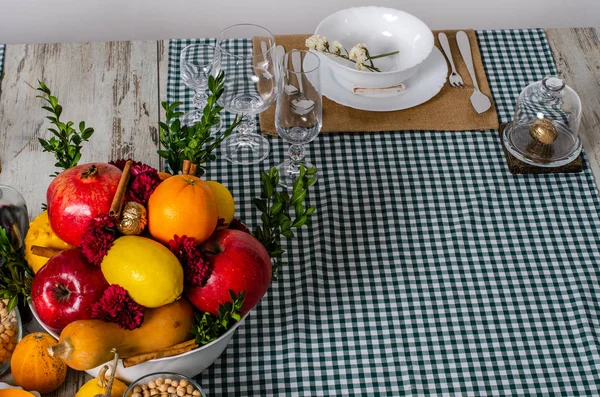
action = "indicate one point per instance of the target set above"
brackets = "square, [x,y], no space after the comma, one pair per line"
[144,264]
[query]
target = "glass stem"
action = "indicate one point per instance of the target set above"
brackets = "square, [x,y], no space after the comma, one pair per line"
[247,126]
[199,99]
[296,153]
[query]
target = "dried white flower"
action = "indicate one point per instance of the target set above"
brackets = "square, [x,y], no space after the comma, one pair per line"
[336,47]
[360,66]
[358,53]
[316,42]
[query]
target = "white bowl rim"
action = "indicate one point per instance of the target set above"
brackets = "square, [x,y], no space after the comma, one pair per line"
[382,9]
[214,342]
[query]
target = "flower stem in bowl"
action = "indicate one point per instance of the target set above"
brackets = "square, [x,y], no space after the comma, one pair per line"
[359,54]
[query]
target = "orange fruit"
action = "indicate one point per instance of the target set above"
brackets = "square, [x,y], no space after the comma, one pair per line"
[182,205]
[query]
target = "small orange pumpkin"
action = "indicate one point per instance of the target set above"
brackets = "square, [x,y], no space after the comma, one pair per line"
[32,366]
[15,393]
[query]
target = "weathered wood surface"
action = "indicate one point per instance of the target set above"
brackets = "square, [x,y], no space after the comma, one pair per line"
[112,86]
[577,57]
[117,87]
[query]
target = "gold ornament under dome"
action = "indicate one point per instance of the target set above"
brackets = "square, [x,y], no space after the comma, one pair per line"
[543,131]
[133,219]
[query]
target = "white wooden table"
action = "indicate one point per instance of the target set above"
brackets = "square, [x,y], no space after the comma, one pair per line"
[117,87]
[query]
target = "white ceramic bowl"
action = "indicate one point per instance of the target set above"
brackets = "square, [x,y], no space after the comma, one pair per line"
[188,364]
[383,30]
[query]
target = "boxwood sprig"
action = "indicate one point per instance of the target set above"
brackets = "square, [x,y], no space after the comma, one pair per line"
[208,327]
[276,208]
[195,142]
[15,274]
[66,141]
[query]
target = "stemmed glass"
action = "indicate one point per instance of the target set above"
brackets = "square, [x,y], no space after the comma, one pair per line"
[196,65]
[250,87]
[299,111]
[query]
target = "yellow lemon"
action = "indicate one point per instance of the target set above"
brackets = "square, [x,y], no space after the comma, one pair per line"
[146,269]
[40,233]
[224,201]
[92,388]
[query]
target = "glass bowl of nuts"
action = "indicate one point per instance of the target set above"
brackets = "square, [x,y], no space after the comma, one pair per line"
[168,384]
[11,332]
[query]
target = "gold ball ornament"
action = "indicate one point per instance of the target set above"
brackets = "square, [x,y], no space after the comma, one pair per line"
[543,131]
[133,219]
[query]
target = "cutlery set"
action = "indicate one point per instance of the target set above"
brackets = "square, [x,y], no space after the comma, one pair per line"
[480,101]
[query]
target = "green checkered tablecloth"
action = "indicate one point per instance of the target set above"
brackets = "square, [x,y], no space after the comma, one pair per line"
[429,269]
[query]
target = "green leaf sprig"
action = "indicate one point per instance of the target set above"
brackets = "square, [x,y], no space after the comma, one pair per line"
[66,142]
[208,327]
[275,208]
[15,274]
[194,143]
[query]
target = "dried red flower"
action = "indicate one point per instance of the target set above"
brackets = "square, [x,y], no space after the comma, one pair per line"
[144,179]
[117,307]
[196,268]
[99,236]
[237,224]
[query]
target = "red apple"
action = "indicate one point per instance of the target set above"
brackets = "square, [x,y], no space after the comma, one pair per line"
[65,289]
[239,262]
[77,195]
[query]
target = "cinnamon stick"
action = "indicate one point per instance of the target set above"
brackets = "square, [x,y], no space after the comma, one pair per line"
[46,252]
[185,169]
[193,169]
[190,342]
[117,203]
[166,352]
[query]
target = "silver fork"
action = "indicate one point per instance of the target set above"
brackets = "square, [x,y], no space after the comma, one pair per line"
[455,79]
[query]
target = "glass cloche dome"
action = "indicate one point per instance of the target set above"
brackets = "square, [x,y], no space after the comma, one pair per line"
[545,128]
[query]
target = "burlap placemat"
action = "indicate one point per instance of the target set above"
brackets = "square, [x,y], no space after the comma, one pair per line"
[450,110]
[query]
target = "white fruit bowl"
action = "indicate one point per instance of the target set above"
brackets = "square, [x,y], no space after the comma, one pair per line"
[383,30]
[188,364]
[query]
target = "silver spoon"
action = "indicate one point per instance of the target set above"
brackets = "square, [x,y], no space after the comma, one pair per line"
[479,100]
[301,105]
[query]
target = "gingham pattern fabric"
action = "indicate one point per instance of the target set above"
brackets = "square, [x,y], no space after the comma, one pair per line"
[1,59]
[429,270]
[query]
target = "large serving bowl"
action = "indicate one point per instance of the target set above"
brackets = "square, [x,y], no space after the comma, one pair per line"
[383,30]
[188,364]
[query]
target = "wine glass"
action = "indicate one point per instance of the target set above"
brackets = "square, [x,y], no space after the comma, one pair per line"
[196,65]
[299,111]
[246,53]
